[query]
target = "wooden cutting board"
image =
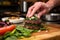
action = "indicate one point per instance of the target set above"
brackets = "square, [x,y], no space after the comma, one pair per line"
[52,34]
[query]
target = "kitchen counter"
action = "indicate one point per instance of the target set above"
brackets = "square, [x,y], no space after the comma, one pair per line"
[52,34]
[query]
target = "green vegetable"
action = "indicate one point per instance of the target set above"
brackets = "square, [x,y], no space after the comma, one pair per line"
[11,38]
[43,28]
[13,32]
[7,20]
[24,31]
[1,37]
[19,32]
[6,35]
[32,18]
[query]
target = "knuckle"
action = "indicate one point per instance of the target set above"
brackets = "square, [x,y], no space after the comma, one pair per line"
[36,3]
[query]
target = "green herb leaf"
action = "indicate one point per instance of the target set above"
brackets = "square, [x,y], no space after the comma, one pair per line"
[24,31]
[32,18]
[11,38]
[11,33]
[43,28]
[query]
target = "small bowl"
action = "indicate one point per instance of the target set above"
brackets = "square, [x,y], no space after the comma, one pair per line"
[16,20]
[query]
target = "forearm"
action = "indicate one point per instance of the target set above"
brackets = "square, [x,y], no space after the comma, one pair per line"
[52,3]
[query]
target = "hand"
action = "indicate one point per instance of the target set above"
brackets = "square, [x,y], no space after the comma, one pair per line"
[39,7]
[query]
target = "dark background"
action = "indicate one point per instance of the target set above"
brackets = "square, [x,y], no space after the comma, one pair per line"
[15,7]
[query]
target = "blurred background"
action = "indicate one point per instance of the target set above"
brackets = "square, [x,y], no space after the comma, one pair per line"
[19,7]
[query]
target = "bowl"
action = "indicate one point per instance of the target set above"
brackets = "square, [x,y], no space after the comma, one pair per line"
[16,20]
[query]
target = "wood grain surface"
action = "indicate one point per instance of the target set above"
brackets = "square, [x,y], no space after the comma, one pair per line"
[52,34]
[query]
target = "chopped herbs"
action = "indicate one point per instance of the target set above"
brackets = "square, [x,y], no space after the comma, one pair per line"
[32,18]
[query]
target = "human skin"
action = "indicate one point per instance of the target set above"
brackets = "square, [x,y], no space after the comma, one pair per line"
[42,8]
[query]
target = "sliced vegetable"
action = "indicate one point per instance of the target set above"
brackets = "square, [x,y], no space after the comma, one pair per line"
[6,29]
[3,24]
[18,32]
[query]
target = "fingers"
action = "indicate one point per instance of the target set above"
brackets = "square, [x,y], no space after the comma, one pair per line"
[41,13]
[29,11]
[34,11]
[37,6]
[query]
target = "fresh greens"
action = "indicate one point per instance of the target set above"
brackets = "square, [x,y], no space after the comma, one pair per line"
[24,31]
[32,18]
[11,38]
[42,28]
[19,32]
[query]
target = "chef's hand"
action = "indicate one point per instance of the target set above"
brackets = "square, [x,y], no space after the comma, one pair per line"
[39,7]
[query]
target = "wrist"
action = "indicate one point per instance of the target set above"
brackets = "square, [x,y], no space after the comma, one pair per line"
[50,4]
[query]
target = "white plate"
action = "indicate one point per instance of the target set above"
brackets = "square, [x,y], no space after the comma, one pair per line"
[16,20]
[21,19]
[5,18]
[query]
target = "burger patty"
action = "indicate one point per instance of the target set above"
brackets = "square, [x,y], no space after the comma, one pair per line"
[32,27]
[33,21]
[32,24]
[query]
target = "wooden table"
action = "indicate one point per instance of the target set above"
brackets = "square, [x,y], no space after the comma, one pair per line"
[52,34]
